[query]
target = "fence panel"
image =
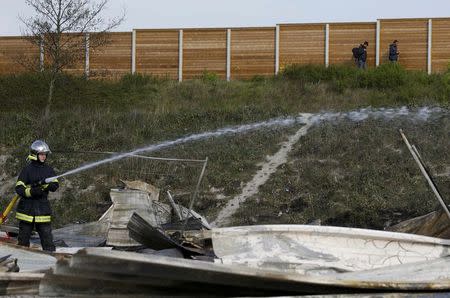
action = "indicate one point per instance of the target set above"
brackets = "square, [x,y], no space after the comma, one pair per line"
[113,59]
[157,52]
[412,35]
[204,50]
[15,49]
[344,37]
[302,44]
[252,52]
[440,51]
[75,45]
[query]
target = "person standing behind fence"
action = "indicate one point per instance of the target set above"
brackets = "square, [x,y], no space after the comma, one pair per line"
[393,51]
[360,55]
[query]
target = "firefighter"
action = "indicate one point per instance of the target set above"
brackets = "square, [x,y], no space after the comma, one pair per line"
[33,210]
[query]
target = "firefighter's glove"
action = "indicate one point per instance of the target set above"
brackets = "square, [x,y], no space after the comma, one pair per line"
[52,186]
[36,192]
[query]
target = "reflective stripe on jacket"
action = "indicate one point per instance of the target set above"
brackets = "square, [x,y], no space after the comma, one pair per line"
[34,207]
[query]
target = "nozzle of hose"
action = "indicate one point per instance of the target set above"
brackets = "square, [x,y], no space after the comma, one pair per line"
[51,179]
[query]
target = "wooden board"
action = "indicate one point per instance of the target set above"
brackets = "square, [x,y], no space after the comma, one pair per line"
[412,35]
[16,51]
[302,44]
[252,52]
[440,53]
[157,52]
[77,44]
[114,59]
[204,50]
[344,37]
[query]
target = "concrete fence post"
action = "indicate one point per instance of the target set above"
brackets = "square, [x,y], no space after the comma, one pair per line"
[377,44]
[228,54]
[133,52]
[277,49]
[180,55]
[327,45]
[41,54]
[430,41]
[86,55]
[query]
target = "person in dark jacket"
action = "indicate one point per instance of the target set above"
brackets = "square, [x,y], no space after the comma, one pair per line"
[362,57]
[33,210]
[393,51]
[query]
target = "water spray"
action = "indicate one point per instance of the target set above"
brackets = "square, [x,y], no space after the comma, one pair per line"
[422,114]
[281,122]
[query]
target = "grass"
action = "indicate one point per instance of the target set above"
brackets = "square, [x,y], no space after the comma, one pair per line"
[332,174]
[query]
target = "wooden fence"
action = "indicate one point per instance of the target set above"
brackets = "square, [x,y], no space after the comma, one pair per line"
[242,53]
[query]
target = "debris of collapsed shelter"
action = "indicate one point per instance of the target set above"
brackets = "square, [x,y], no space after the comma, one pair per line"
[142,246]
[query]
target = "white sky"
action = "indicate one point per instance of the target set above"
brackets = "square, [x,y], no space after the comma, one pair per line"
[241,13]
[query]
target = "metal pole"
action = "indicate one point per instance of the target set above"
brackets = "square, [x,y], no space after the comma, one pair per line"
[430,41]
[228,54]
[191,204]
[377,50]
[174,207]
[425,173]
[327,45]
[41,54]
[180,55]
[133,52]
[277,49]
[86,65]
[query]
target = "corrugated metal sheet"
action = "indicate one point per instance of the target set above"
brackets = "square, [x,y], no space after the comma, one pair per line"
[28,260]
[97,272]
[126,202]
[321,249]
